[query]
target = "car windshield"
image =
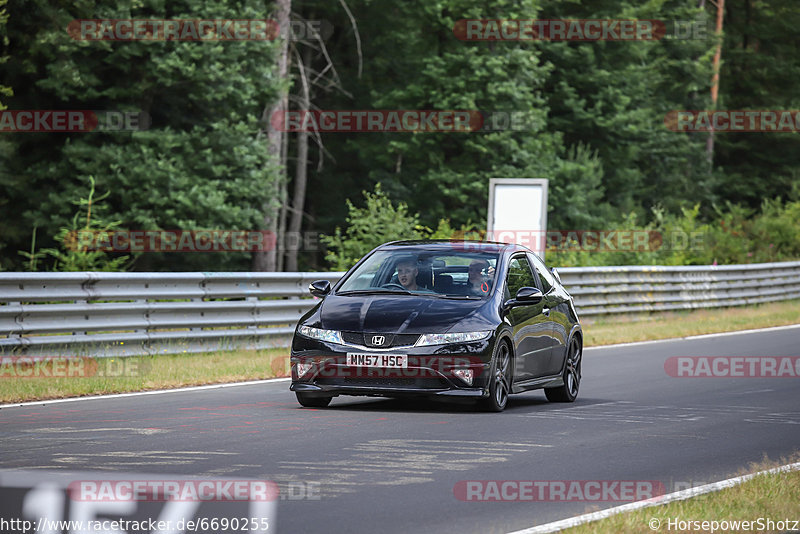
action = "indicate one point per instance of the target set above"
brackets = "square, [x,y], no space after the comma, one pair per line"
[447,273]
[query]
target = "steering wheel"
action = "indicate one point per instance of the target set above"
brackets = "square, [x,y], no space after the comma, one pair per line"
[393,285]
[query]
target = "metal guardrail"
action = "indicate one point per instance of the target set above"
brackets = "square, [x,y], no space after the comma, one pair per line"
[631,289]
[122,314]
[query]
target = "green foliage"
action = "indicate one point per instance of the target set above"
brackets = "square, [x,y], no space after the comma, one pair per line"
[610,98]
[439,175]
[769,235]
[576,191]
[737,235]
[594,126]
[70,256]
[443,231]
[377,222]
[5,91]
[760,69]
[202,163]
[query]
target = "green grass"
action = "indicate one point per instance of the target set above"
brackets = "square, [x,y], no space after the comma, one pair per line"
[176,370]
[140,373]
[771,496]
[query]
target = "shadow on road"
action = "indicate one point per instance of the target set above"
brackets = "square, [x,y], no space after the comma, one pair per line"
[517,404]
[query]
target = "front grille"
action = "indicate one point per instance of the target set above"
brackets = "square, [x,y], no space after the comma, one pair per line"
[412,377]
[390,340]
[405,339]
[353,337]
[392,381]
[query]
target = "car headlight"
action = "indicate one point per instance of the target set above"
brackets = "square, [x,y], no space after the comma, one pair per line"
[331,336]
[457,337]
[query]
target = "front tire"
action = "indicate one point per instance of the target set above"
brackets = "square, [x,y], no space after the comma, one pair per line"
[572,376]
[500,375]
[312,401]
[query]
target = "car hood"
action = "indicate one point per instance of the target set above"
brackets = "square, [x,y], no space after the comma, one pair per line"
[395,314]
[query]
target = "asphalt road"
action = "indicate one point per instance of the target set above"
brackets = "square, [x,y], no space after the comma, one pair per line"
[391,466]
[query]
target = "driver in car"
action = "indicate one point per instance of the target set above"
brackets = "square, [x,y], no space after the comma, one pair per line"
[480,277]
[407,272]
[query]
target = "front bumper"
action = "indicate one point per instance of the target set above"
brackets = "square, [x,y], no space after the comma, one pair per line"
[430,370]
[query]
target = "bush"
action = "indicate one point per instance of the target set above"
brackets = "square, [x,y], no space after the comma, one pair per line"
[377,222]
[70,256]
[736,235]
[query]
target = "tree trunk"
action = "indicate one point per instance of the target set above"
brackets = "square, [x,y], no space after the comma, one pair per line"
[280,243]
[715,79]
[266,260]
[301,173]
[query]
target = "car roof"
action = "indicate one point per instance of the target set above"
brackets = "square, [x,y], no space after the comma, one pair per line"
[445,244]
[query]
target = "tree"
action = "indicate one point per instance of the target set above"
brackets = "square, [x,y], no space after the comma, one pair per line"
[276,197]
[376,223]
[5,91]
[71,254]
[200,165]
[612,97]
[760,69]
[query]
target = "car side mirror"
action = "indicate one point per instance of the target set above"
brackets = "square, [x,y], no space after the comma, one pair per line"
[529,295]
[556,275]
[320,288]
[525,295]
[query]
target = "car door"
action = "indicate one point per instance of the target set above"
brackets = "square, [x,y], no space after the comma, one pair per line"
[532,328]
[555,305]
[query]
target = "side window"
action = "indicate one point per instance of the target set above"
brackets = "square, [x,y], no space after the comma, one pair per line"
[546,277]
[519,275]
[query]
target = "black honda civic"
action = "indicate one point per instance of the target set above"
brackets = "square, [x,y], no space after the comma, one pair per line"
[440,318]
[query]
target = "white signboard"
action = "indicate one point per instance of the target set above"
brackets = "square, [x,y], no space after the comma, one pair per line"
[518,212]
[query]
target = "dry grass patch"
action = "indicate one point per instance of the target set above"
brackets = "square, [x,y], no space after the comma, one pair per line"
[141,373]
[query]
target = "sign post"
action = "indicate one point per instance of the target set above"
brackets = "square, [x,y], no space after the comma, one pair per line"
[518,212]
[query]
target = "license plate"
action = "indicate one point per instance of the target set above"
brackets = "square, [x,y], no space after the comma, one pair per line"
[398,361]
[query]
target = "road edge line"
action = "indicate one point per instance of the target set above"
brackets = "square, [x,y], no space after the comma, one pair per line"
[251,382]
[149,392]
[562,524]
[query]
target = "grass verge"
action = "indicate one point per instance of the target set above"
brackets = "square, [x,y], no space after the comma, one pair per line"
[614,329]
[176,370]
[772,497]
[97,376]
